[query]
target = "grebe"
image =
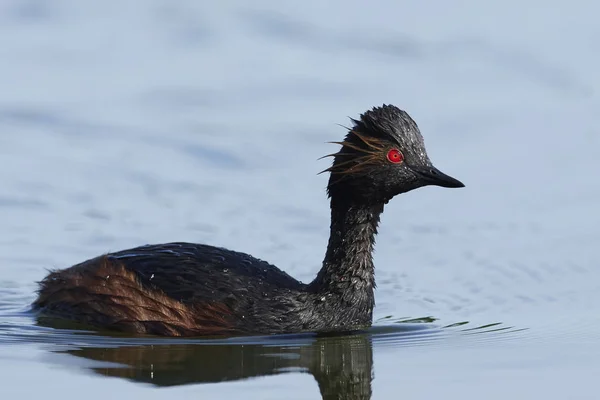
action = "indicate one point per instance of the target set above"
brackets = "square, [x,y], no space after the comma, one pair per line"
[186,289]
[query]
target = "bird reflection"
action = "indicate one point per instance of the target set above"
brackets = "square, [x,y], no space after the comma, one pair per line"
[341,365]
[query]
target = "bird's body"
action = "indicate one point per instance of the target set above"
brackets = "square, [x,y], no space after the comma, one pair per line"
[186,289]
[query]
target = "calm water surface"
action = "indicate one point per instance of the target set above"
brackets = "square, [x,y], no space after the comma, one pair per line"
[132,122]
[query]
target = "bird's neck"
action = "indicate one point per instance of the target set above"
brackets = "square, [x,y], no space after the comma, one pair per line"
[348,270]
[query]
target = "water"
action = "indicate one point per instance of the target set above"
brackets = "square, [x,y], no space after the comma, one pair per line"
[136,122]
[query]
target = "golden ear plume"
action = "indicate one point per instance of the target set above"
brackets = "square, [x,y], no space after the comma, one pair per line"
[371,154]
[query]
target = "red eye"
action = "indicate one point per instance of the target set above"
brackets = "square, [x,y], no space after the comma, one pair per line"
[394,156]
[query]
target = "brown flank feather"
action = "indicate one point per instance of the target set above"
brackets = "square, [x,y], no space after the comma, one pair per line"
[102,292]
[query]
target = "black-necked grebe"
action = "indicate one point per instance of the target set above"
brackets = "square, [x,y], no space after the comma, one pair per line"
[185,289]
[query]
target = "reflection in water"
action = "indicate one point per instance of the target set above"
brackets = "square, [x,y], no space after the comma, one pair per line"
[341,365]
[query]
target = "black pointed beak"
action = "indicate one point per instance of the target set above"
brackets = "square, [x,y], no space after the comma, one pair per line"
[433,176]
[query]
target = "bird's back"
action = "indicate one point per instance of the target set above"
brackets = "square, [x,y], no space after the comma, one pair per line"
[190,272]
